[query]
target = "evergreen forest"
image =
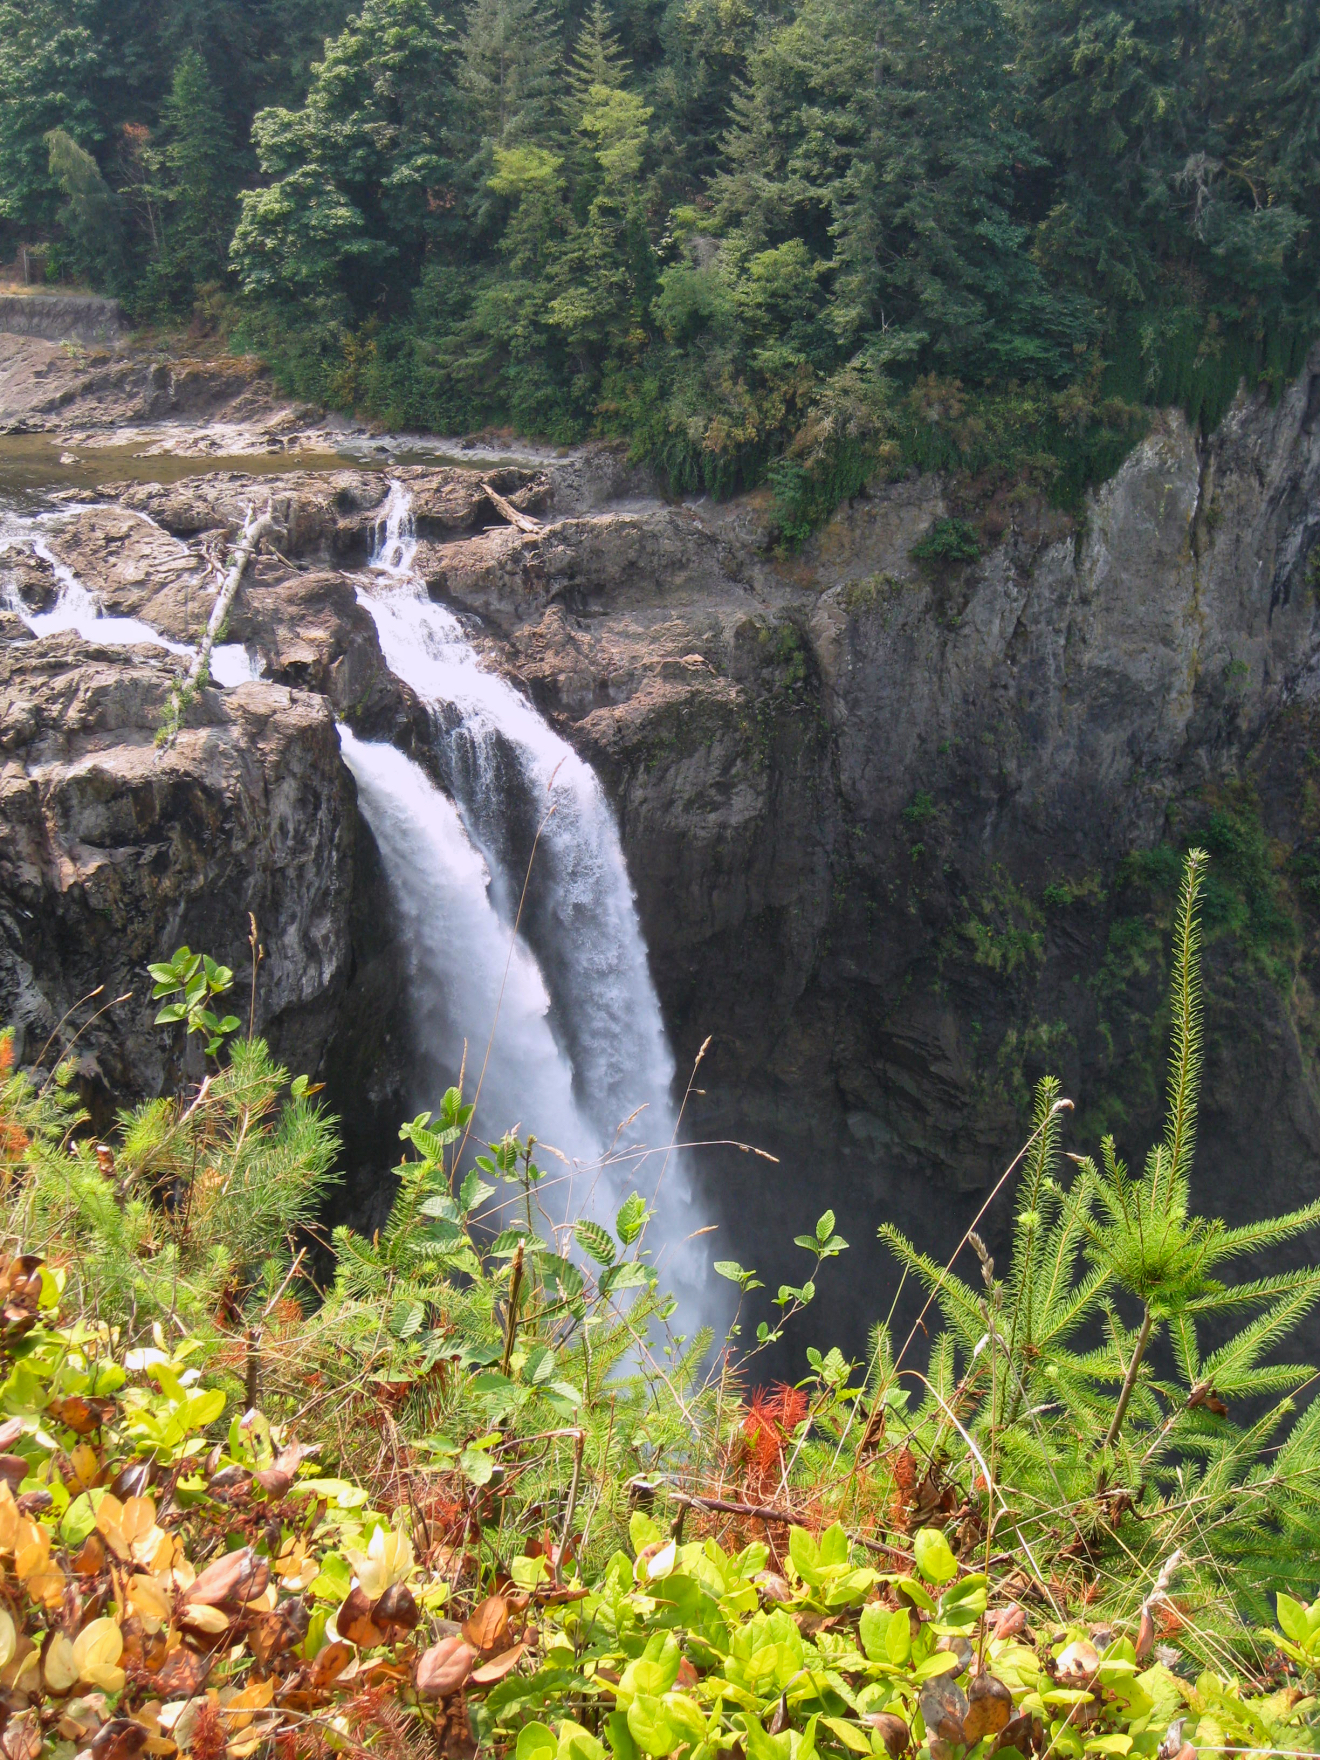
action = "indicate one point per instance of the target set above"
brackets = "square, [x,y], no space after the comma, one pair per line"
[805,242]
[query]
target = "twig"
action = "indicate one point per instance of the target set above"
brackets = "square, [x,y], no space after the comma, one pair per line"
[572,1499]
[767,1512]
[254,530]
[511,1322]
[523,521]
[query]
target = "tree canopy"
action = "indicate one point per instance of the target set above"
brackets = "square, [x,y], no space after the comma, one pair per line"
[807,239]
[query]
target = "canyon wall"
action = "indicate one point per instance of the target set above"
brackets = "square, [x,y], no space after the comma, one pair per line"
[905,834]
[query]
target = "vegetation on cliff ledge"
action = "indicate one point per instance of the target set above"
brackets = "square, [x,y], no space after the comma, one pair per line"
[462,1486]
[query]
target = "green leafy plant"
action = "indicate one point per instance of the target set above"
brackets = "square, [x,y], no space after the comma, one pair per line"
[196,980]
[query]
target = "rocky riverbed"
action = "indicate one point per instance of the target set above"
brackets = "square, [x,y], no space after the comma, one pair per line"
[903,835]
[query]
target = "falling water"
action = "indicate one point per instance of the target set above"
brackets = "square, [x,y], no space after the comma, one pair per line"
[462,970]
[511,776]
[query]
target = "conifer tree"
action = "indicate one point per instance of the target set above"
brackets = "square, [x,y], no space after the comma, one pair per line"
[198,178]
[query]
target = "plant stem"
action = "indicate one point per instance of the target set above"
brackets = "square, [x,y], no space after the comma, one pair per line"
[511,1323]
[1129,1380]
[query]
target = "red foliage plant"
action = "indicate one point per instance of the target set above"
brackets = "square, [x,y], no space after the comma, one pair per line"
[772,1418]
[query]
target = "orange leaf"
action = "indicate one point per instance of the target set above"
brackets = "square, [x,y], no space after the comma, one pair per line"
[485,1627]
[497,1667]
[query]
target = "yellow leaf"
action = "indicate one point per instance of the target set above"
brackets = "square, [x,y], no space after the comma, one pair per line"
[97,1645]
[387,1560]
[204,1619]
[110,1521]
[60,1670]
[104,1675]
[85,1465]
[47,1585]
[138,1519]
[255,1696]
[8,1518]
[148,1598]
[143,1550]
[8,1639]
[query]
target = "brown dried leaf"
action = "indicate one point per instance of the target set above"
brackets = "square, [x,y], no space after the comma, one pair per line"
[396,1611]
[989,1708]
[132,1481]
[1077,1664]
[183,1675]
[893,1732]
[278,1631]
[82,1415]
[331,1663]
[355,1623]
[273,1481]
[443,1668]
[497,1667]
[485,1627]
[120,1739]
[944,1706]
[1016,1734]
[229,1479]
[231,1582]
[289,1459]
[14,1468]
[90,1560]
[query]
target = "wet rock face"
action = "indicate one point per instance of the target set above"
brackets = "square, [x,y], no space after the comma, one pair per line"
[113,850]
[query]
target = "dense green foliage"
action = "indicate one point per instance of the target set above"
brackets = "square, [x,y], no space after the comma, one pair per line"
[1069,1529]
[816,241]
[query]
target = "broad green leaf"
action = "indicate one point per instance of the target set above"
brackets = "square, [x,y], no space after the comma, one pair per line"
[934,1559]
[616,1278]
[1292,1619]
[472,1195]
[595,1241]
[642,1531]
[833,1547]
[476,1465]
[937,1663]
[618,1735]
[534,1739]
[650,1726]
[850,1734]
[916,1592]
[898,1637]
[805,1554]
[628,1223]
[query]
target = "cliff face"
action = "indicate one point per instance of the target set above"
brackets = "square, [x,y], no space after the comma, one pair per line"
[904,835]
[906,838]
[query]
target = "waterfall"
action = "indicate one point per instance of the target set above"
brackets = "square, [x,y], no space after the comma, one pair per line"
[507,769]
[461,969]
[511,776]
[577,1051]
